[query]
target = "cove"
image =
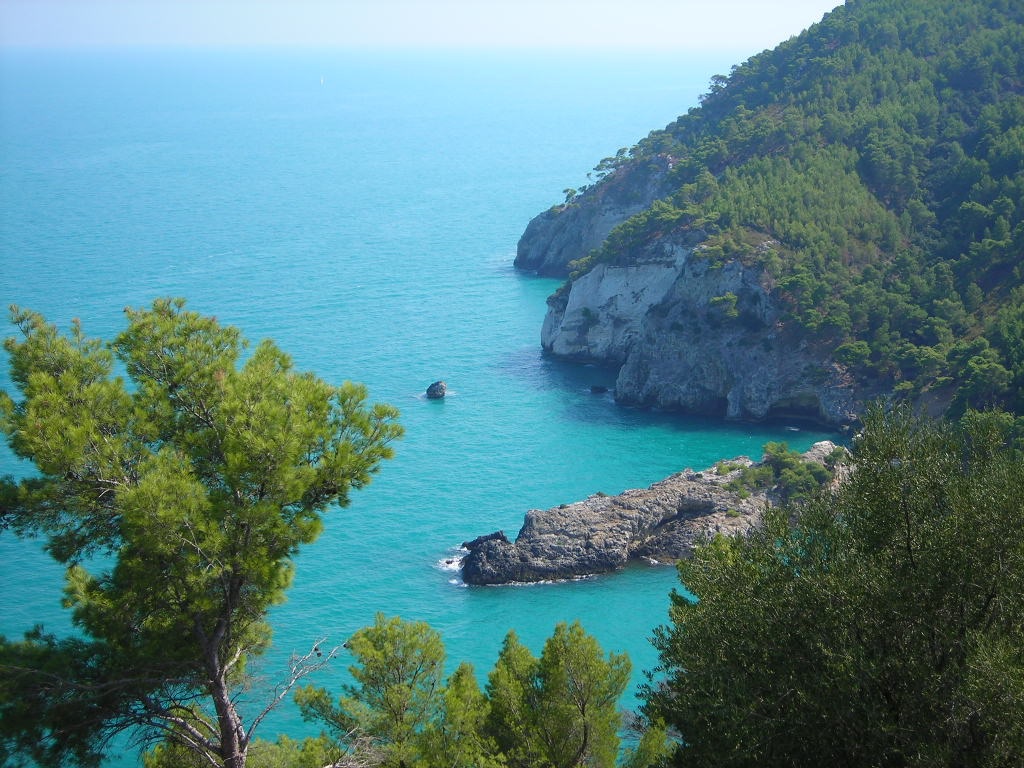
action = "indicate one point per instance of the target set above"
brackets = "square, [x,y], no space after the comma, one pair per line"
[368,225]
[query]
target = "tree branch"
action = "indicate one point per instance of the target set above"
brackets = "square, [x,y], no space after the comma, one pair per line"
[299,667]
[163,719]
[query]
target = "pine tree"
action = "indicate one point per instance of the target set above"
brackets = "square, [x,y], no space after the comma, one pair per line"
[881,623]
[177,499]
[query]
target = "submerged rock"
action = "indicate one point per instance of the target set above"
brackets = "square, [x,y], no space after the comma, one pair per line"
[437,390]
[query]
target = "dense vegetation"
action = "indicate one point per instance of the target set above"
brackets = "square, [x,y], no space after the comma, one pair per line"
[177,503]
[879,624]
[556,711]
[874,166]
[785,474]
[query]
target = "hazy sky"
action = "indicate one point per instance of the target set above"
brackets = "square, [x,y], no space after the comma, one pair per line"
[685,25]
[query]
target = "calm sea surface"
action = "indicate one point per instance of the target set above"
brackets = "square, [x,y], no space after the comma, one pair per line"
[363,211]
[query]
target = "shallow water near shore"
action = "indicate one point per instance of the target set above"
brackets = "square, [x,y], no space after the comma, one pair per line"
[362,211]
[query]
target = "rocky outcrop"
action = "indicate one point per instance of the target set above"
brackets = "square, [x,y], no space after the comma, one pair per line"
[479,541]
[685,333]
[697,336]
[437,390]
[564,233]
[603,533]
[601,316]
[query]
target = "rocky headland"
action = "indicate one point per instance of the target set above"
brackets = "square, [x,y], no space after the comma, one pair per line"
[600,534]
[684,333]
[813,236]
[564,233]
[689,335]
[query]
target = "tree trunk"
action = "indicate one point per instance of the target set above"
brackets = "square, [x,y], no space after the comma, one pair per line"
[233,744]
[233,741]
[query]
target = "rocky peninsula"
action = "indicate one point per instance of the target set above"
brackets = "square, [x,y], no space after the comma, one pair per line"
[661,523]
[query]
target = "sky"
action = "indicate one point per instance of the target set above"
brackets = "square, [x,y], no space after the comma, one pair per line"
[662,25]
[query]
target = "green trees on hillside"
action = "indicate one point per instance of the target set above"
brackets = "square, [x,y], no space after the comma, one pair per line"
[881,623]
[785,473]
[874,166]
[177,499]
[560,710]
[556,711]
[397,690]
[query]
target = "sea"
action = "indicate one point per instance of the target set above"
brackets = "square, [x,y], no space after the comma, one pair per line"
[362,209]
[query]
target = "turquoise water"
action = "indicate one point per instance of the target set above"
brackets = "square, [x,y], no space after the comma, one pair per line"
[363,211]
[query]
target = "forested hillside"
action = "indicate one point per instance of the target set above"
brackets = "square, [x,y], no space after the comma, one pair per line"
[874,168]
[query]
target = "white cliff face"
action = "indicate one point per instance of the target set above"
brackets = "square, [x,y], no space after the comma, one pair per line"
[695,337]
[604,312]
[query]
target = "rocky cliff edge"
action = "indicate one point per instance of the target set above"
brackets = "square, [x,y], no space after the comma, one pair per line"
[563,233]
[661,523]
[691,335]
[685,332]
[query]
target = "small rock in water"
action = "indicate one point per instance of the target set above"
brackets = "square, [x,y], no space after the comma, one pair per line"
[598,389]
[437,390]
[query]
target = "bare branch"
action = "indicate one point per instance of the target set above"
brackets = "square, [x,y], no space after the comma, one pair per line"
[361,751]
[299,667]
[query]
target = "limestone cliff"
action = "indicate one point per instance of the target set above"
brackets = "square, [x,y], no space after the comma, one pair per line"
[824,228]
[603,533]
[695,337]
[685,334]
[568,232]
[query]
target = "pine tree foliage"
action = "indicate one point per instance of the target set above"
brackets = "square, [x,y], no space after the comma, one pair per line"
[396,690]
[873,166]
[177,498]
[881,623]
[561,710]
[556,711]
